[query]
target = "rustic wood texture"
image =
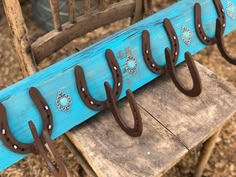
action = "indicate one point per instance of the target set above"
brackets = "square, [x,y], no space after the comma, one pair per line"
[55,14]
[192,120]
[111,152]
[20,35]
[173,124]
[54,40]
[72,11]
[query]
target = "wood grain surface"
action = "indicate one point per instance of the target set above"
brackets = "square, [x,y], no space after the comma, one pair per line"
[173,124]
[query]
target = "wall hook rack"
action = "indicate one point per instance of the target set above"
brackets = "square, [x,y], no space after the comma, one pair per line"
[37,146]
[112,96]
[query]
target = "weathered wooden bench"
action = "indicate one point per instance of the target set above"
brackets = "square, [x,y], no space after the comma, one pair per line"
[173,123]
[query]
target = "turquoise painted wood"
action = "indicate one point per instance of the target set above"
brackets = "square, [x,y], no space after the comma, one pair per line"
[60,76]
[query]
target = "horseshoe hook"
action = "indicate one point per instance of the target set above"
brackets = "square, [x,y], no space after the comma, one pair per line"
[198,22]
[220,44]
[112,96]
[197,87]
[37,147]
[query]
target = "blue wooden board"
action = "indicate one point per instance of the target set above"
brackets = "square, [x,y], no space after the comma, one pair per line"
[60,76]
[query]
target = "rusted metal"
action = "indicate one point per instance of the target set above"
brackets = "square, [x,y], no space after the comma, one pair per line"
[171,59]
[146,48]
[220,26]
[111,103]
[198,22]
[112,96]
[197,86]
[9,140]
[83,89]
[59,169]
[37,147]
[147,54]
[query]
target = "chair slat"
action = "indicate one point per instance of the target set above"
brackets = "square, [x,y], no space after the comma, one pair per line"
[71,10]
[102,4]
[55,14]
[86,6]
[20,35]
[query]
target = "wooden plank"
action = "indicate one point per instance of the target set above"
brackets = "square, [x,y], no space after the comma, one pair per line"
[112,153]
[60,76]
[55,14]
[20,35]
[192,120]
[54,40]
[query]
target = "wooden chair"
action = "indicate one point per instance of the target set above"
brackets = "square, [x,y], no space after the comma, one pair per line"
[32,53]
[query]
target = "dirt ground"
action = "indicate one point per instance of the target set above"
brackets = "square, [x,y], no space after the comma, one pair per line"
[222,163]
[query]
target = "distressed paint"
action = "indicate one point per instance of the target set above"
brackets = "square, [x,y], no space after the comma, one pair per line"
[60,76]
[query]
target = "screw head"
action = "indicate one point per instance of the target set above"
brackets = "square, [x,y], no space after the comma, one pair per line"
[3,131]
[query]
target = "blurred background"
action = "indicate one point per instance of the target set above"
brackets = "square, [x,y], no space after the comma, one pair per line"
[223,161]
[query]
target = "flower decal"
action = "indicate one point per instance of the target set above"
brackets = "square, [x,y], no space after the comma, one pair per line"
[231,10]
[131,64]
[186,35]
[63,101]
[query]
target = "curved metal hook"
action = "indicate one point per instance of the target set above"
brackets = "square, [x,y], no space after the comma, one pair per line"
[111,102]
[112,94]
[220,43]
[6,136]
[146,48]
[198,22]
[37,146]
[58,170]
[197,87]
[83,89]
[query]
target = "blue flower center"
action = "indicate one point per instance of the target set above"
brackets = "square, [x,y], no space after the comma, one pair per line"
[131,63]
[231,9]
[187,34]
[64,101]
